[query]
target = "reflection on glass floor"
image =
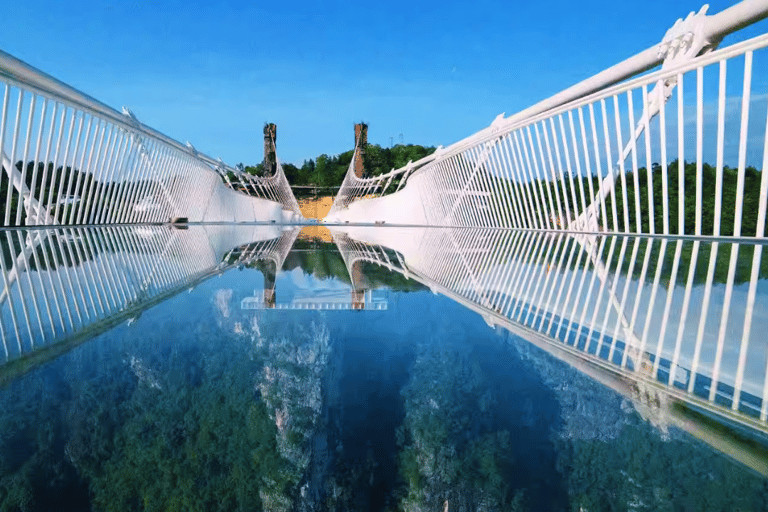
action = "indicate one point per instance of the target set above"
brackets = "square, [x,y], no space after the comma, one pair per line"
[65,285]
[662,321]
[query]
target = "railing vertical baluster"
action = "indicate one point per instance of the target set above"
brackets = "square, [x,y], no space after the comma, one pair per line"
[37,245]
[526,173]
[635,310]
[106,188]
[621,170]
[511,186]
[743,136]
[680,157]
[35,163]
[121,269]
[604,279]
[47,163]
[8,291]
[517,169]
[104,239]
[12,162]
[101,289]
[81,169]
[49,269]
[89,188]
[89,262]
[551,277]
[684,312]
[592,257]
[648,163]
[652,300]
[69,172]
[635,168]
[611,298]
[506,214]
[515,279]
[149,163]
[497,211]
[577,164]
[565,272]
[568,169]
[104,211]
[667,305]
[547,206]
[22,266]
[699,147]
[598,166]
[53,235]
[24,201]
[133,181]
[60,176]
[569,214]
[5,173]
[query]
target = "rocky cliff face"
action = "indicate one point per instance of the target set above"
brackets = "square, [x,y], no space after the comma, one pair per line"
[588,410]
[290,383]
[455,455]
[293,357]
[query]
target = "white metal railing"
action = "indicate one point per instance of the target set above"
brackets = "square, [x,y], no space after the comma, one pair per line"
[669,326]
[352,251]
[275,250]
[66,284]
[354,188]
[612,158]
[69,159]
[273,188]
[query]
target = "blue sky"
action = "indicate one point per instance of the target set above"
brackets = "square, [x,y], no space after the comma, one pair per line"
[213,72]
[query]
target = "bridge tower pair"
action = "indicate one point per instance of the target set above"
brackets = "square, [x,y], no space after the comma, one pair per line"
[270,151]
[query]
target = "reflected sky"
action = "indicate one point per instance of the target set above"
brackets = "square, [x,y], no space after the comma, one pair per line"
[254,367]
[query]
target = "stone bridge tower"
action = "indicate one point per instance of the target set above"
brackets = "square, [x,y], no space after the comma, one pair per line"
[359,286]
[270,153]
[361,140]
[269,272]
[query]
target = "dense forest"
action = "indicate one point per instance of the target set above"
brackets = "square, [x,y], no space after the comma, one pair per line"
[570,188]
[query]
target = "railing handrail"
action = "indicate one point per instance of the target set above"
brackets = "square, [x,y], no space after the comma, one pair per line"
[16,70]
[514,122]
[713,29]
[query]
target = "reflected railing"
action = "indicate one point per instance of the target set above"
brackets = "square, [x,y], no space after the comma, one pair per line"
[663,321]
[64,285]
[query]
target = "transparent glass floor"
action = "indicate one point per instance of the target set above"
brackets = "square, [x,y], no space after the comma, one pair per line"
[262,367]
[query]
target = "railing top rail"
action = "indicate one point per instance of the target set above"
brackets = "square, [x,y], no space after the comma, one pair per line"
[503,126]
[16,70]
[712,29]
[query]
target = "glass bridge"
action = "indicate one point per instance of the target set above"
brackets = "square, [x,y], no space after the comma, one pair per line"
[566,310]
